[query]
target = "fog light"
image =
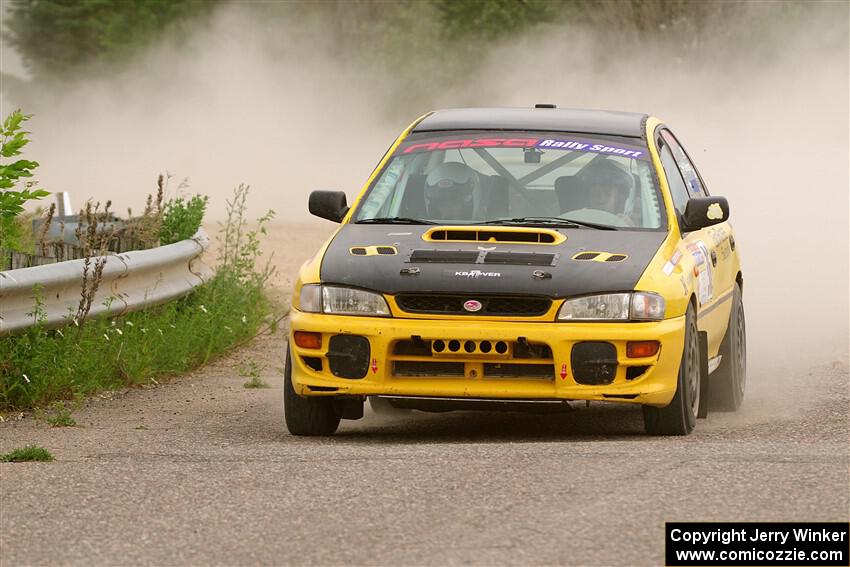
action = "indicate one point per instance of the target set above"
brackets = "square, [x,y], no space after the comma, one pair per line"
[308,340]
[641,349]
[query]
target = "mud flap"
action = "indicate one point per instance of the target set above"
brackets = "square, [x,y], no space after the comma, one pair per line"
[702,410]
[350,408]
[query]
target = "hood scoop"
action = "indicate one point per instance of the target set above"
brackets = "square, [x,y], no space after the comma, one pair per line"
[483,257]
[512,235]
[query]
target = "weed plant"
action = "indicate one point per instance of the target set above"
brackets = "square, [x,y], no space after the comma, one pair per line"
[41,365]
[252,370]
[28,453]
[59,416]
[181,218]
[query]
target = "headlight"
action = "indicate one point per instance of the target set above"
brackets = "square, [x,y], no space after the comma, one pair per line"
[311,298]
[637,306]
[342,301]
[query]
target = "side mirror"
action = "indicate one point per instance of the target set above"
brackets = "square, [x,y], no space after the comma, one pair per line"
[701,212]
[330,205]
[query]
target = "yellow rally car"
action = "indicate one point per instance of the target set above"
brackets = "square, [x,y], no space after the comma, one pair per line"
[520,258]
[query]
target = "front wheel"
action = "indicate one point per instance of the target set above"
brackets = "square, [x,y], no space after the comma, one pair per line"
[727,383]
[307,416]
[680,416]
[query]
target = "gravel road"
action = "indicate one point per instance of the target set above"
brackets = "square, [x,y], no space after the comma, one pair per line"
[201,471]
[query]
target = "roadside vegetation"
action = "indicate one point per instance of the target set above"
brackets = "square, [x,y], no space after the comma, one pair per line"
[252,370]
[58,415]
[41,366]
[28,453]
[16,185]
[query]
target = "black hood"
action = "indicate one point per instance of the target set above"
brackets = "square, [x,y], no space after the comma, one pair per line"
[399,260]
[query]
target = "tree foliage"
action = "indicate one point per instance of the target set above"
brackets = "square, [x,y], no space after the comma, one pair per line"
[12,199]
[56,37]
[474,18]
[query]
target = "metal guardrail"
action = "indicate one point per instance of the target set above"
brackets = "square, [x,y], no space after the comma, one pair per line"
[131,281]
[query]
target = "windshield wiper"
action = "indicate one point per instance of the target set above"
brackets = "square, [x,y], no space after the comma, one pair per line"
[394,220]
[549,221]
[593,225]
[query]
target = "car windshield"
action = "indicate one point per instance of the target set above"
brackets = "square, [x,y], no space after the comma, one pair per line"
[494,177]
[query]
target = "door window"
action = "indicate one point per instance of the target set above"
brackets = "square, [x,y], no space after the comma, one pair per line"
[689,172]
[678,190]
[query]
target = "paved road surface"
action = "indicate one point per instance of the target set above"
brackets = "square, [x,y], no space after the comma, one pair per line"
[201,471]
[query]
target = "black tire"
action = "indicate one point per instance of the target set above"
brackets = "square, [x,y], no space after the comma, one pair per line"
[307,416]
[728,382]
[680,416]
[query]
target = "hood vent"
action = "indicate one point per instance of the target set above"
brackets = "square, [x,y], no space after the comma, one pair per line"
[586,256]
[445,256]
[475,257]
[372,251]
[519,258]
[514,235]
[600,256]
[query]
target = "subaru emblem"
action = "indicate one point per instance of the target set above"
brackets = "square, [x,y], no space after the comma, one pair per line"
[472,305]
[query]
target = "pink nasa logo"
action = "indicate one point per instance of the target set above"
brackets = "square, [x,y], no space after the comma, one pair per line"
[472,305]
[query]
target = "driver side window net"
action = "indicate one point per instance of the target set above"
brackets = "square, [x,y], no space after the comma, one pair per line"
[474,177]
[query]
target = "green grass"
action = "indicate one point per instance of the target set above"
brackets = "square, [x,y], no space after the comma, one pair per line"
[28,453]
[252,370]
[59,416]
[41,366]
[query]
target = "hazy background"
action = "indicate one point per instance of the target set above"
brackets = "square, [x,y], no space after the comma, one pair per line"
[291,97]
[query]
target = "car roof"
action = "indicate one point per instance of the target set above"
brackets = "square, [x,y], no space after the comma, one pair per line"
[542,118]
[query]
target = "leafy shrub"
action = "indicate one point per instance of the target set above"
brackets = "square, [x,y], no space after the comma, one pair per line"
[181,219]
[12,200]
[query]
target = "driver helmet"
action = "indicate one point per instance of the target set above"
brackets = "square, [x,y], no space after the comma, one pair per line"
[607,176]
[449,190]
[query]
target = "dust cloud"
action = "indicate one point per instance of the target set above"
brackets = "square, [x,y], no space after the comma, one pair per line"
[764,117]
[767,125]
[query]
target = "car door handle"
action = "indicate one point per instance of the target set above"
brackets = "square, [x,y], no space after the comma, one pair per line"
[714,258]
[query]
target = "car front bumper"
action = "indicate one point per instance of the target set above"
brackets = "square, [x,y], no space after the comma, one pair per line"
[393,371]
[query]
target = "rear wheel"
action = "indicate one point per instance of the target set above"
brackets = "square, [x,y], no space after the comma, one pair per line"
[680,416]
[307,416]
[728,382]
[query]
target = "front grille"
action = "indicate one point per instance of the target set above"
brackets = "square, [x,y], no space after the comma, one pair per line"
[473,358]
[514,370]
[427,368]
[501,305]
